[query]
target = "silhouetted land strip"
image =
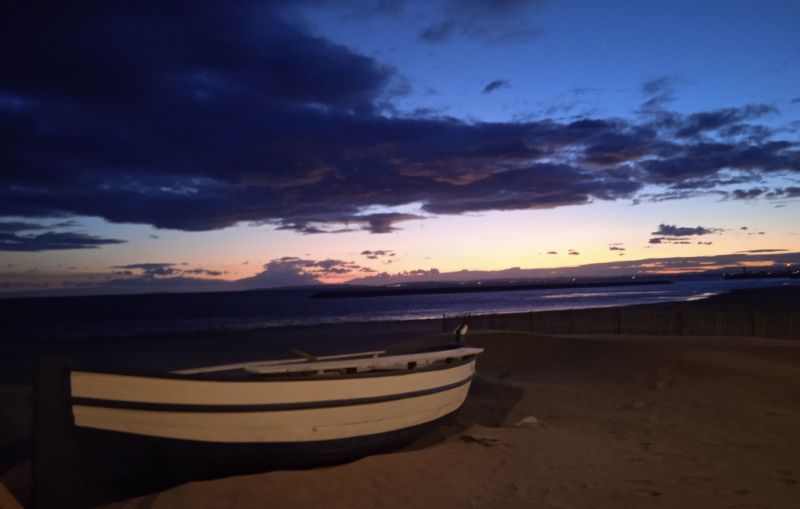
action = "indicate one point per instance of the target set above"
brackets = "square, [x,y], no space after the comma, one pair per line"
[392,292]
[762,275]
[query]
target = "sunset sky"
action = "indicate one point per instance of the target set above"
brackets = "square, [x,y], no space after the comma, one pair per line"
[279,143]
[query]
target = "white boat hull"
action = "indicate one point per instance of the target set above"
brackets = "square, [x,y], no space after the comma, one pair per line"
[267,411]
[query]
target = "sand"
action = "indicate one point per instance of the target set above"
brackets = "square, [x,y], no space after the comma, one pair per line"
[552,421]
[559,422]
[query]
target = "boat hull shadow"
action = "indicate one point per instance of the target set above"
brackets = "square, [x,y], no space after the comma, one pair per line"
[123,465]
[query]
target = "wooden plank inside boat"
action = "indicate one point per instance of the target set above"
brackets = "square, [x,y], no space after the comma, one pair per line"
[393,362]
[241,365]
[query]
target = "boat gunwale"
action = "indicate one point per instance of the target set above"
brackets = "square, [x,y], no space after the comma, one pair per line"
[247,377]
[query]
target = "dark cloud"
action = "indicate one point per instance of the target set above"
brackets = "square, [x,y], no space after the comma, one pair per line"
[658,92]
[552,252]
[616,248]
[659,85]
[20,226]
[384,223]
[669,240]
[204,272]
[361,9]
[378,253]
[149,270]
[417,275]
[291,271]
[670,230]
[671,234]
[49,241]
[332,223]
[653,266]
[618,143]
[585,90]
[691,165]
[492,22]
[162,270]
[538,186]
[495,85]
[438,32]
[184,55]
[23,226]
[573,252]
[785,192]
[197,116]
[699,123]
[747,194]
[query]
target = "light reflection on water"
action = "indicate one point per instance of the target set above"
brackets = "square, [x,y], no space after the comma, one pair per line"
[294,307]
[702,296]
[600,294]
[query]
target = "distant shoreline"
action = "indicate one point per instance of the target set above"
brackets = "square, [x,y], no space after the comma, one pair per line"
[392,292]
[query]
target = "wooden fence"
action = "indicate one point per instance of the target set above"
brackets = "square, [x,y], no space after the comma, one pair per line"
[678,322]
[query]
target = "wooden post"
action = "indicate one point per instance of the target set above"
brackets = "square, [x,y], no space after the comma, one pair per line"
[57,480]
[754,330]
[571,323]
[444,323]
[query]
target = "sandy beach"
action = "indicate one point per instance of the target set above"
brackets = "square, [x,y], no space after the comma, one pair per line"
[559,421]
[577,422]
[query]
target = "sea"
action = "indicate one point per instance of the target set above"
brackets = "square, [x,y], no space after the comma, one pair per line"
[165,313]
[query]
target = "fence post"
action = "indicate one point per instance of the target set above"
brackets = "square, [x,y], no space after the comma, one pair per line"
[57,477]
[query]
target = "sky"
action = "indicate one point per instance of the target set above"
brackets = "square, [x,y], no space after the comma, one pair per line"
[207,145]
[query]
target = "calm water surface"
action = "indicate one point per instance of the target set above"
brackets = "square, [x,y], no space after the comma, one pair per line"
[167,313]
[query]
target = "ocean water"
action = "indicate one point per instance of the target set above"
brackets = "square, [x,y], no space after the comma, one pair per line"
[75,317]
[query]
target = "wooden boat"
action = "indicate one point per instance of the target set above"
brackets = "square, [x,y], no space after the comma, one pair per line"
[128,434]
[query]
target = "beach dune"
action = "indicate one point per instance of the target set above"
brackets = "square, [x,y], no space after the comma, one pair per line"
[576,421]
